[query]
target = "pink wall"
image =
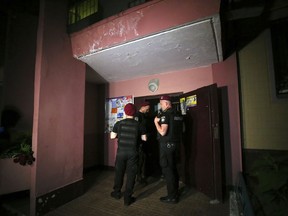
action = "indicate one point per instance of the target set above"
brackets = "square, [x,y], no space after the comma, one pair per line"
[225,74]
[58,128]
[177,81]
[136,22]
[94,121]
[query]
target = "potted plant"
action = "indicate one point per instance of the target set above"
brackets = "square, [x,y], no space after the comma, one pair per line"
[20,150]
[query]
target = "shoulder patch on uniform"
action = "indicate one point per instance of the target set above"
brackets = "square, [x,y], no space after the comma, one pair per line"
[136,118]
[162,119]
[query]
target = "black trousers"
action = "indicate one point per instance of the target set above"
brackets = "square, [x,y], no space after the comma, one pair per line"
[141,173]
[125,162]
[168,164]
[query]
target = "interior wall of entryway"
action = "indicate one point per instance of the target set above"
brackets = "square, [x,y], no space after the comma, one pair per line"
[94,125]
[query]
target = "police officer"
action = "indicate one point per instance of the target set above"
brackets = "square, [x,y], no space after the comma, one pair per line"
[141,117]
[128,132]
[169,126]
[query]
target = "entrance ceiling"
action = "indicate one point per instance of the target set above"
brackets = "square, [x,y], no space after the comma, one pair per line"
[192,45]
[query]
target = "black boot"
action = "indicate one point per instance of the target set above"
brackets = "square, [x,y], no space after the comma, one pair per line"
[116,195]
[129,200]
[167,199]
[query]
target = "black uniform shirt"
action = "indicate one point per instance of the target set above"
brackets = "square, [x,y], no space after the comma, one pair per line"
[175,126]
[128,131]
[165,119]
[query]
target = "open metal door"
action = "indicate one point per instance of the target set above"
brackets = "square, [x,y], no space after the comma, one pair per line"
[200,154]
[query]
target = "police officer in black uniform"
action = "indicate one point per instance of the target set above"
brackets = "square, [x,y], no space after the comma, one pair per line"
[141,117]
[169,126]
[128,132]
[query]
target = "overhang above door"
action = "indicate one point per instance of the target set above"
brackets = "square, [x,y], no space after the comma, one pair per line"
[189,46]
[158,37]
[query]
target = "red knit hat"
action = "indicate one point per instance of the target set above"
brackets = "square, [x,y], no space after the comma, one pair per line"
[130,109]
[165,97]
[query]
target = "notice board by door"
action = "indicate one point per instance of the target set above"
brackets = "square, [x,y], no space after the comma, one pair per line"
[200,154]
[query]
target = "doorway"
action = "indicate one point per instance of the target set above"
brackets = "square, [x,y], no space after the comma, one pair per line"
[199,163]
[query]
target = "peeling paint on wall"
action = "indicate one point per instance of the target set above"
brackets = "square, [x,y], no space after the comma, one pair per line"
[123,28]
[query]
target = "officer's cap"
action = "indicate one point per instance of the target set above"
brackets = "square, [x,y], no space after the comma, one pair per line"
[146,103]
[165,97]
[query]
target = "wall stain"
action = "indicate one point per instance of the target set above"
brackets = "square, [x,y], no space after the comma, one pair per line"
[119,28]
